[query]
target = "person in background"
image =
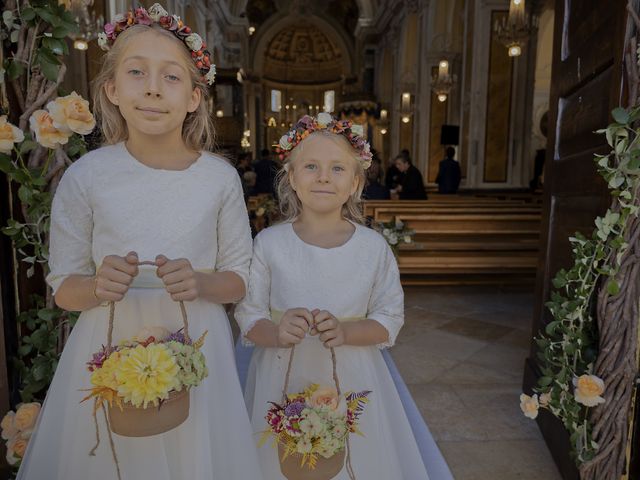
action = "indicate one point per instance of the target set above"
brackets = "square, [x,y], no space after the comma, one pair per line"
[266,170]
[411,185]
[374,190]
[449,174]
[392,175]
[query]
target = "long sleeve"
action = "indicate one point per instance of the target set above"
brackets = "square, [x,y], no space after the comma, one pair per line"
[256,304]
[234,233]
[386,304]
[71,228]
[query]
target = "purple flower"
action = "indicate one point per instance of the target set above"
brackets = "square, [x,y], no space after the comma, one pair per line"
[178,337]
[98,358]
[294,409]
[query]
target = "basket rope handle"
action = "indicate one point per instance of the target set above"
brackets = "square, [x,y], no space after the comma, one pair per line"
[349,467]
[112,308]
[336,380]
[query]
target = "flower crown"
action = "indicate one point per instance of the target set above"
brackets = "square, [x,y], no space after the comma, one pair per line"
[157,14]
[324,121]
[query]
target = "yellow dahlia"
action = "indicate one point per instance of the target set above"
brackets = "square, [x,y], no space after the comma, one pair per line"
[105,376]
[147,374]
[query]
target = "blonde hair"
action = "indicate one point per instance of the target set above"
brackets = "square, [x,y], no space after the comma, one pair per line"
[197,130]
[290,205]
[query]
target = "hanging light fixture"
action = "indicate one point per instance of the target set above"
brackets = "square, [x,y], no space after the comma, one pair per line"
[515,29]
[442,82]
[89,24]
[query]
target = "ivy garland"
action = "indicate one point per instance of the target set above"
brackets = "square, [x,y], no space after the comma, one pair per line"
[33,44]
[568,346]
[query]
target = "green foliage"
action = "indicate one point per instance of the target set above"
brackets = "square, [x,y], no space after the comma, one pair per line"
[37,357]
[55,23]
[39,327]
[568,345]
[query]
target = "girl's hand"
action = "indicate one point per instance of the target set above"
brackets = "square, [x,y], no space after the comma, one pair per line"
[114,277]
[293,326]
[330,329]
[179,278]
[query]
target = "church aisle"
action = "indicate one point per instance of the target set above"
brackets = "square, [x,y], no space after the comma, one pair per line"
[461,353]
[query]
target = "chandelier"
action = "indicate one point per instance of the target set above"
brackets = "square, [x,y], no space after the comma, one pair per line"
[89,25]
[442,82]
[514,30]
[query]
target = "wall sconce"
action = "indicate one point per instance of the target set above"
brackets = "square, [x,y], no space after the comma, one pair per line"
[383,131]
[252,30]
[406,119]
[442,82]
[383,115]
[219,113]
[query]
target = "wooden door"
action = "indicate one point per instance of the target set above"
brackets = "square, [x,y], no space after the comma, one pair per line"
[587,56]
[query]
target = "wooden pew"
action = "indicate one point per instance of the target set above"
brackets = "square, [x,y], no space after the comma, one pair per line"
[465,241]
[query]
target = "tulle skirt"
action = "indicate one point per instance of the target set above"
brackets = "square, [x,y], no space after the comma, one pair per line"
[388,449]
[214,443]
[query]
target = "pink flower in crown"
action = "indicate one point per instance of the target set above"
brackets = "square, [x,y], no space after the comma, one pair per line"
[110,30]
[142,17]
[305,122]
[170,23]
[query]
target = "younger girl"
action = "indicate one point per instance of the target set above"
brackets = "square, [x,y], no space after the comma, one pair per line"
[152,193]
[321,280]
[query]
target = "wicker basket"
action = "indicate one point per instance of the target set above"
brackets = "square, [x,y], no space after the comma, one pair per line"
[134,421]
[143,422]
[325,469]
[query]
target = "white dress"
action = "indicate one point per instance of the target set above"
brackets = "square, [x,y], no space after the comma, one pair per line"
[109,203]
[358,279]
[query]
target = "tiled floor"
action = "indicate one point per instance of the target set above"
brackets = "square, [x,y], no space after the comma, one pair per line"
[461,354]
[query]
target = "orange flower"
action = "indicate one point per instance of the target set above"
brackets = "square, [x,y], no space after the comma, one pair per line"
[9,135]
[26,416]
[46,133]
[72,114]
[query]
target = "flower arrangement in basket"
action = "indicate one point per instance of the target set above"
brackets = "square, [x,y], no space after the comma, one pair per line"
[144,382]
[311,429]
[394,232]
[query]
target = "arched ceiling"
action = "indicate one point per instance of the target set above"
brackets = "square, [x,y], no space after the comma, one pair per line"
[301,53]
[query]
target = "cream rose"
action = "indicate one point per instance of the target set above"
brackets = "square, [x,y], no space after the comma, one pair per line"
[357,129]
[9,135]
[26,416]
[210,77]
[588,389]
[157,11]
[329,398]
[72,114]
[545,398]
[323,119]
[285,143]
[9,429]
[103,41]
[159,333]
[194,42]
[46,134]
[529,405]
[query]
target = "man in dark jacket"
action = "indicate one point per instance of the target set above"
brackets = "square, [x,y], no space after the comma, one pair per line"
[449,175]
[411,183]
